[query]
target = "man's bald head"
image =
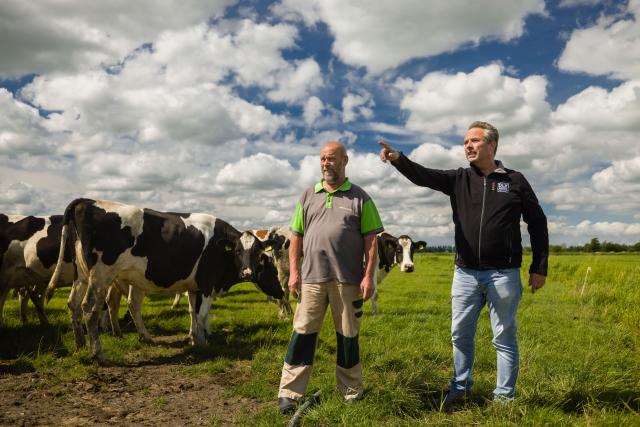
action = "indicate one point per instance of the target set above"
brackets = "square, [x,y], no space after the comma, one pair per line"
[333,162]
[336,147]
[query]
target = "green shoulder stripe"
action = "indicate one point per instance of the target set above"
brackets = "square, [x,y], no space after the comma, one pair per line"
[297,220]
[370,220]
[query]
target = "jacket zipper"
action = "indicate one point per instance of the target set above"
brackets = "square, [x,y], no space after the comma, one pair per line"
[484,194]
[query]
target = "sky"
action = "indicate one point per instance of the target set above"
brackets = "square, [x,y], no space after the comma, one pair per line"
[222,106]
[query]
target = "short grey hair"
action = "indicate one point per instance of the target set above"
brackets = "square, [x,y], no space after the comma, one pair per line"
[490,132]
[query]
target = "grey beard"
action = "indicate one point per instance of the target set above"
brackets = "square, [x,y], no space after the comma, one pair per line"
[331,178]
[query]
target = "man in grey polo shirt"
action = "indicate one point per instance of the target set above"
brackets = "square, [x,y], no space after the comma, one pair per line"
[335,225]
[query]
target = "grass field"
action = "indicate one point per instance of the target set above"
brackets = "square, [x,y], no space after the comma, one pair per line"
[579,345]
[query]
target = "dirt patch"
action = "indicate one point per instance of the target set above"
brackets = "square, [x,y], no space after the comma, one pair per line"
[146,395]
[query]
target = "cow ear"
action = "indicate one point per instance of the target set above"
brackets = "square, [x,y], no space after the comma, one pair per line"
[271,244]
[421,245]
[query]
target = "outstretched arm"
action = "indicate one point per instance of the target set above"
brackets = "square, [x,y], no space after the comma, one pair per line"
[436,179]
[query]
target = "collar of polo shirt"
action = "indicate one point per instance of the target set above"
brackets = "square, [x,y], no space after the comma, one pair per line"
[346,186]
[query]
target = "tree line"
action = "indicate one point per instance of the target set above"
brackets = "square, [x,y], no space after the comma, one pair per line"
[595,245]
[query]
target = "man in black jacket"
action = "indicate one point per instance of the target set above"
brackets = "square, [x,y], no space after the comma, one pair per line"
[487,201]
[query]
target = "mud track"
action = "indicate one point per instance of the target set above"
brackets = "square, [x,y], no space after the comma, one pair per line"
[142,394]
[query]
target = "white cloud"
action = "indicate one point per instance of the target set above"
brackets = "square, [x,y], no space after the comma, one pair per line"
[614,231]
[20,198]
[574,3]
[21,128]
[382,35]
[52,36]
[296,82]
[293,10]
[442,103]
[260,171]
[611,47]
[438,157]
[624,171]
[173,94]
[597,109]
[312,110]
[357,105]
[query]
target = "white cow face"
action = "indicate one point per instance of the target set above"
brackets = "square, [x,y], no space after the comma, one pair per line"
[405,250]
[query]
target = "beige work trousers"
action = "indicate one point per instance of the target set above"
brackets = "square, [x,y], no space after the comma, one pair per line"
[346,302]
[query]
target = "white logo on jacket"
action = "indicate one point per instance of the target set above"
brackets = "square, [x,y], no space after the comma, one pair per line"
[503,187]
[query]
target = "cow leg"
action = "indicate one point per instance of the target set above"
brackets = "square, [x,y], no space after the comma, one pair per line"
[92,310]
[176,300]
[199,306]
[4,291]
[113,306]
[136,296]
[38,303]
[377,277]
[374,301]
[24,302]
[285,309]
[78,290]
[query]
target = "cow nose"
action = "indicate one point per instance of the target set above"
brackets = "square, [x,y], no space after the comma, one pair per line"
[408,268]
[246,274]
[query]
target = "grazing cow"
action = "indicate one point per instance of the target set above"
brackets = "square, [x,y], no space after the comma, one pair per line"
[29,249]
[393,251]
[156,252]
[279,255]
[280,258]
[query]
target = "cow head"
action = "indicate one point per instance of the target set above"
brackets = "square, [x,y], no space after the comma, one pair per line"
[405,250]
[268,278]
[282,245]
[249,255]
[387,246]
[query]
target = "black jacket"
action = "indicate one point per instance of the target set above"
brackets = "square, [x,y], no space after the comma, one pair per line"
[486,213]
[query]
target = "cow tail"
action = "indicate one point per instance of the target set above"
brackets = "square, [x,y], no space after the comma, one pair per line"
[64,240]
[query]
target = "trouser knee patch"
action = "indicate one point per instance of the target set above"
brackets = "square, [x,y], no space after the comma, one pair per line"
[348,351]
[302,348]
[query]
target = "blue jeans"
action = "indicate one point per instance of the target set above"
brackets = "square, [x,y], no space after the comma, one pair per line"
[501,290]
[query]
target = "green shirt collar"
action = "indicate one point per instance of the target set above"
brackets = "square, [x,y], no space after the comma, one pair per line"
[346,186]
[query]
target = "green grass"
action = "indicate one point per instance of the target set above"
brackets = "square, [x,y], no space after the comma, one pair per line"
[580,361]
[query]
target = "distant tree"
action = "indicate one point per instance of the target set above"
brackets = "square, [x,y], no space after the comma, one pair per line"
[614,247]
[593,246]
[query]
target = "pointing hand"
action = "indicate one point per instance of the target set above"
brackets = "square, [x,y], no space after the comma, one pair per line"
[388,153]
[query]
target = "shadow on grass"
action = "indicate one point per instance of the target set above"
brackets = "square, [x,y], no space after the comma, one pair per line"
[432,400]
[232,341]
[17,367]
[576,401]
[32,339]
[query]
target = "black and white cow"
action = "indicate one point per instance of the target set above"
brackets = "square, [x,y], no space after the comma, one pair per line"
[393,251]
[156,252]
[279,255]
[29,249]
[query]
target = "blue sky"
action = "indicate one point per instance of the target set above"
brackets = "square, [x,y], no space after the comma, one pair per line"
[222,106]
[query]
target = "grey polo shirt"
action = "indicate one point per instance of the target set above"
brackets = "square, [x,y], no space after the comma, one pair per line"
[333,226]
